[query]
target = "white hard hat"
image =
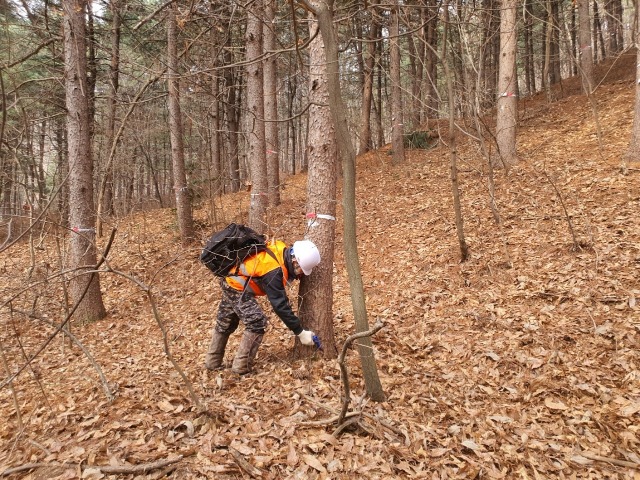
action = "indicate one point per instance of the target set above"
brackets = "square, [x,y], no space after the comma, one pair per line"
[306,254]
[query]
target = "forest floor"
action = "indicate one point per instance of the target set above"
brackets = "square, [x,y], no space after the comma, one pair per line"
[521,362]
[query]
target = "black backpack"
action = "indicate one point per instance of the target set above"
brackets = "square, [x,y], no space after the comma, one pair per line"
[229,247]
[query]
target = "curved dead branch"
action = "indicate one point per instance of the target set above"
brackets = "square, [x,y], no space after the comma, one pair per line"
[344,375]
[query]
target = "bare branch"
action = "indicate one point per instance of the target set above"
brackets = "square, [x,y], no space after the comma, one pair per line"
[108,469]
[245,466]
[343,368]
[152,14]
[30,54]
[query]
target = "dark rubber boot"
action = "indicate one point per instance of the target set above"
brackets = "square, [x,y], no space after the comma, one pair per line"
[246,353]
[215,354]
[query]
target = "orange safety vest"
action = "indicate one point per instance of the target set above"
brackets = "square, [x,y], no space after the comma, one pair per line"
[257,266]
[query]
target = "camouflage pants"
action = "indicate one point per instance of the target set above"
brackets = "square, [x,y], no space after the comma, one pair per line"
[235,306]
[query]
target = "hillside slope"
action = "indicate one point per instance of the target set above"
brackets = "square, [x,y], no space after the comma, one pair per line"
[522,362]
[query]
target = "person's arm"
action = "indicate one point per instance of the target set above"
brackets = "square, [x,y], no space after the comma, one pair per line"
[272,284]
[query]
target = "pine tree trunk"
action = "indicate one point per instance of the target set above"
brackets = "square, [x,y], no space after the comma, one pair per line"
[379,129]
[231,113]
[546,76]
[182,193]
[315,295]
[271,104]
[554,32]
[416,62]
[585,46]
[431,64]
[84,289]
[614,11]
[453,152]
[215,180]
[369,50]
[61,173]
[216,176]
[528,51]
[114,80]
[397,115]
[507,99]
[5,186]
[41,154]
[255,110]
[633,152]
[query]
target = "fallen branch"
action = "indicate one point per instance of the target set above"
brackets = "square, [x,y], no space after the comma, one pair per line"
[334,419]
[108,469]
[142,468]
[346,424]
[613,461]
[245,466]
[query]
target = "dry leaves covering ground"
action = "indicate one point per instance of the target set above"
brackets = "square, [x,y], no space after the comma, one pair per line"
[521,362]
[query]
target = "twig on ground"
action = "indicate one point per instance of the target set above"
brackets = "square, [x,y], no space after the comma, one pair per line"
[245,466]
[108,469]
[345,424]
[334,419]
[613,461]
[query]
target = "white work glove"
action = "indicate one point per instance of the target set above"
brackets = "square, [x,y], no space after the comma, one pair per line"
[306,337]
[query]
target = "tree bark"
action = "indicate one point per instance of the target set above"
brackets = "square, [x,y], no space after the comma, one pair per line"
[555,74]
[182,193]
[529,63]
[231,114]
[377,104]
[272,141]
[215,180]
[614,11]
[598,38]
[453,152]
[255,110]
[114,80]
[62,172]
[397,116]
[416,66]
[546,76]
[507,100]
[338,113]
[491,56]
[585,48]
[42,196]
[82,249]
[633,152]
[369,51]
[430,80]
[315,295]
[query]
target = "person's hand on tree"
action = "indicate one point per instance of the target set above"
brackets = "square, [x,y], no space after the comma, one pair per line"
[306,337]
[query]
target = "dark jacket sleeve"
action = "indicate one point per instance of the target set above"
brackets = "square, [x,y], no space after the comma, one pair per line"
[272,284]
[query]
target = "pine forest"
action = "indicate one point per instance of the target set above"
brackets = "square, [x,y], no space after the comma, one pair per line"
[462,178]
